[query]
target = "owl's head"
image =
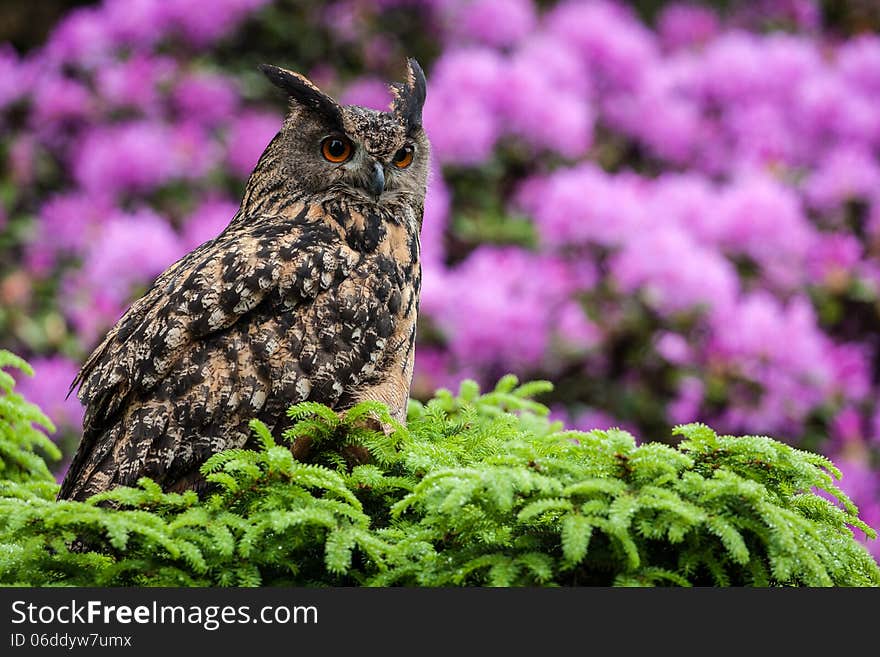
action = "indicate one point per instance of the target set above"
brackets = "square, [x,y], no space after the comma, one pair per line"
[351,151]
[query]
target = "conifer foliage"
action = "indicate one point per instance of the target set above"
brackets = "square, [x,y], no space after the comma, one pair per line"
[478,489]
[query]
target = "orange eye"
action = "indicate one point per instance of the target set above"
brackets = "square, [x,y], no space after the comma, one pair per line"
[336,149]
[404,157]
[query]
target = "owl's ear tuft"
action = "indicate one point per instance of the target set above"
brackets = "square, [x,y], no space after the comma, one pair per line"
[409,96]
[303,92]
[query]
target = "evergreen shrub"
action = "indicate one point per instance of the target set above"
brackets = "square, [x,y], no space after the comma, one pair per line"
[477,490]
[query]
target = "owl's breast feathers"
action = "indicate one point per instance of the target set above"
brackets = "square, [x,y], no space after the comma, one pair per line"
[318,303]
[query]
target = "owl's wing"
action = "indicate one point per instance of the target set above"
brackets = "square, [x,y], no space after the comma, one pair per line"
[253,269]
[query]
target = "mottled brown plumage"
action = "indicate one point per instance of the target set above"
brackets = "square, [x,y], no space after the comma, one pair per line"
[311,293]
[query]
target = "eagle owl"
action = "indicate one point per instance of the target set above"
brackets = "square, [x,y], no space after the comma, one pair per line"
[310,293]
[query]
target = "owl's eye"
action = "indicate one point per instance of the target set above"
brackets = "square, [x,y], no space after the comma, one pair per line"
[404,157]
[336,149]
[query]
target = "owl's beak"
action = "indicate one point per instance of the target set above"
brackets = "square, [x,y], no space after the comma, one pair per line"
[377,180]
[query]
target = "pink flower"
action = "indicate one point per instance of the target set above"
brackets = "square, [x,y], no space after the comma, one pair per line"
[611,41]
[858,61]
[585,419]
[686,406]
[367,92]
[861,483]
[436,217]
[68,223]
[843,175]
[564,125]
[435,369]
[674,348]
[575,329]
[763,219]
[141,156]
[498,306]
[48,389]
[134,83]
[58,99]
[15,77]
[583,205]
[205,98]
[125,257]
[248,137]
[682,25]
[207,221]
[459,114]
[496,23]
[847,426]
[833,258]
[674,273]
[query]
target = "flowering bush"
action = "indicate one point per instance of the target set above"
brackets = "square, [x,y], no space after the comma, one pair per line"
[674,215]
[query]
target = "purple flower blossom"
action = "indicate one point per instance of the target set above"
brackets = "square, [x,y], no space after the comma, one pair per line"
[15,77]
[660,116]
[202,28]
[686,406]
[833,258]
[436,216]
[688,202]
[861,484]
[562,68]
[48,390]
[681,25]
[130,250]
[564,126]
[851,365]
[761,136]
[492,319]
[770,332]
[827,109]
[733,68]
[128,253]
[762,219]
[248,137]
[58,99]
[68,223]
[207,98]
[435,369]
[141,156]
[367,92]
[496,23]
[459,114]
[844,174]
[858,61]
[847,427]
[345,19]
[674,348]
[618,49]
[81,37]
[575,329]
[585,419]
[138,24]
[675,273]
[207,221]
[782,349]
[134,83]
[583,205]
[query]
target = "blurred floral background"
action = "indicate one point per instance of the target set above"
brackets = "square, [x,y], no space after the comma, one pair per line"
[669,209]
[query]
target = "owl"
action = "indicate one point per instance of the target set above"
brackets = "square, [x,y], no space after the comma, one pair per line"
[310,293]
